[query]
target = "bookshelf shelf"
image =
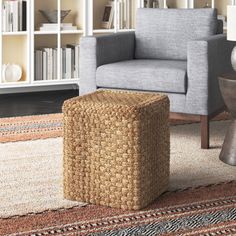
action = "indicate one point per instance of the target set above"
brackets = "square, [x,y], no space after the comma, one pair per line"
[14,33]
[86,18]
[72,32]
[38,84]
[59,32]
[58,81]
[55,82]
[125,30]
[14,84]
[101,31]
[47,81]
[45,32]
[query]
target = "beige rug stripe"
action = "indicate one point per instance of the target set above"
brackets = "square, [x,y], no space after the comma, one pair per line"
[31,171]
[192,166]
[32,178]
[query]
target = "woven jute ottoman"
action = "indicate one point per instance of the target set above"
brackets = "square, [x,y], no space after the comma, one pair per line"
[116,148]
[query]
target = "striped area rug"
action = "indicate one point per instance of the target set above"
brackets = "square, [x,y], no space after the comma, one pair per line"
[46,126]
[209,211]
[30,127]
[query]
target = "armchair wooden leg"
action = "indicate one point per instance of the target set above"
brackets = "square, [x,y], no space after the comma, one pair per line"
[205,132]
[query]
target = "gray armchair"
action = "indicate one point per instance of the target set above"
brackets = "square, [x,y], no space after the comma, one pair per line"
[178,52]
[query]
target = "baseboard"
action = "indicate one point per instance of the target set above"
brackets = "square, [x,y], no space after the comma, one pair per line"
[38,89]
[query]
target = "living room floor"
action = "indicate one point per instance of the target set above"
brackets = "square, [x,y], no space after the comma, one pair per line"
[24,104]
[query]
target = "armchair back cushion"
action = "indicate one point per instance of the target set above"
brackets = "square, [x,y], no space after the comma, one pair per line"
[164,33]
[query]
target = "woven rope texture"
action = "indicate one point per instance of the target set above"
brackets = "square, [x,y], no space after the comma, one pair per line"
[116,148]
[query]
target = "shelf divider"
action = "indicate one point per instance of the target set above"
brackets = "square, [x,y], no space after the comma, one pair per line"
[32,39]
[28,28]
[59,46]
[1,42]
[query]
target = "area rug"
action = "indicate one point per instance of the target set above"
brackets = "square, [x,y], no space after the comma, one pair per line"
[30,127]
[205,211]
[47,126]
[31,171]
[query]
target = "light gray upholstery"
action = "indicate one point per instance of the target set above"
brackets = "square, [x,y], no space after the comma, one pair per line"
[109,62]
[207,59]
[96,51]
[164,34]
[153,75]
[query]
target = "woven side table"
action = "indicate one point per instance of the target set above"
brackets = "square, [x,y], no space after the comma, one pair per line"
[116,148]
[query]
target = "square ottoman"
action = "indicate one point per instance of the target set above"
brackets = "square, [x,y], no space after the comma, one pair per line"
[116,148]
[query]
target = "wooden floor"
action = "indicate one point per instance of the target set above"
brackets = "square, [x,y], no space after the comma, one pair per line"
[34,103]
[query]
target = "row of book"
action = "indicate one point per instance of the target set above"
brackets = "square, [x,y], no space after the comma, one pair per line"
[151,3]
[14,16]
[46,61]
[126,11]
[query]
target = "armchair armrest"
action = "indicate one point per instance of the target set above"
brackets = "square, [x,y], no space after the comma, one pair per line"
[97,51]
[207,58]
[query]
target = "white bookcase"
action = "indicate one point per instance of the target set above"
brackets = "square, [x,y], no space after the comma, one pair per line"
[86,15]
[19,47]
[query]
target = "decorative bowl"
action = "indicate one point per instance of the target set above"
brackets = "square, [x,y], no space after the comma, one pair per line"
[11,72]
[51,16]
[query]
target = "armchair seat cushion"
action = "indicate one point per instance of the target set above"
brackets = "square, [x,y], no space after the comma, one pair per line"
[150,75]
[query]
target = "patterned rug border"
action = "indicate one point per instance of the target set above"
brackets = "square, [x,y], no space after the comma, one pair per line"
[29,128]
[34,127]
[202,212]
[89,205]
[6,119]
[34,117]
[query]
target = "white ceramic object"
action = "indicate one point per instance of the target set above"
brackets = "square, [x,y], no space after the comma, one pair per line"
[233,58]
[11,73]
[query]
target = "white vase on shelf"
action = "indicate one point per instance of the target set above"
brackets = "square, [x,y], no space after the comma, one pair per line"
[11,72]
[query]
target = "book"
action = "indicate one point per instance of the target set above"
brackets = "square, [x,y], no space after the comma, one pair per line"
[14,15]
[45,65]
[75,59]
[69,28]
[20,15]
[55,24]
[72,46]
[4,17]
[39,65]
[11,16]
[63,63]
[55,63]
[24,16]
[121,14]
[68,63]
[128,9]
[49,71]
[54,27]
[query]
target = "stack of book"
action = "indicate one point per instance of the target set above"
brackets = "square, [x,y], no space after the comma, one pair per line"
[14,16]
[54,27]
[46,63]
